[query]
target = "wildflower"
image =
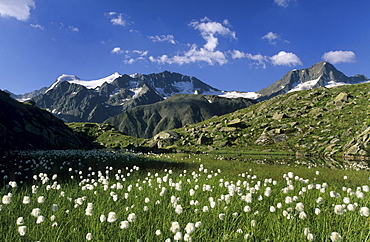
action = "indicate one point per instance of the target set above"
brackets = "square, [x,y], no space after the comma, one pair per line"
[158,232]
[317,211]
[112,217]
[190,228]
[299,207]
[351,207]
[175,227]
[7,199]
[253,223]
[302,215]
[40,219]
[310,237]
[346,200]
[288,200]
[124,224]
[41,199]
[146,200]
[178,209]
[364,211]
[102,218]
[247,209]
[187,237]
[131,217]
[335,236]
[272,209]
[221,216]
[334,194]
[22,230]
[198,224]
[338,209]
[88,236]
[26,200]
[20,221]
[36,212]
[319,200]
[178,236]
[306,231]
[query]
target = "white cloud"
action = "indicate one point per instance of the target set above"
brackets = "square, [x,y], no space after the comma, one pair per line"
[259,59]
[140,52]
[163,38]
[74,29]
[19,9]
[271,36]
[285,59]
[37,26]
[117,50]
[130,56]
[339,56]
[208,53]
[282,3]
[118,18]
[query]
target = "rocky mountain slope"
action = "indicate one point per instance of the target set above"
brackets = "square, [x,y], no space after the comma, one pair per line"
[25,126]
[176,111]
[74,100]
[321,121]
[322,74]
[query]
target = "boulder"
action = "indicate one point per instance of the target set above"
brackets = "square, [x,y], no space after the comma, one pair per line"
[280,138]
[263,139]
[203,140]
[237,123]
[168,134]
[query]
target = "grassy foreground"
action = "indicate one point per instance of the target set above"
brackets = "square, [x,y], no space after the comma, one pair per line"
[113,196]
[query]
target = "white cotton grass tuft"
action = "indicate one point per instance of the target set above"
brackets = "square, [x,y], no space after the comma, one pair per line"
[89,236]
[124,224]
[364,211]
[335,236]
[22,230]
[112,217]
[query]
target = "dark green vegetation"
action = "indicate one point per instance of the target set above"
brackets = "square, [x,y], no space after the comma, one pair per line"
[104,136]
[176,111]
[330,122]
[25,126]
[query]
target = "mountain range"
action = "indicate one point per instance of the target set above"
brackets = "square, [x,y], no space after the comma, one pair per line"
[145,105]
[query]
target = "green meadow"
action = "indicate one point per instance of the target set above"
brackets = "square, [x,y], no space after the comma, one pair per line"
[115,196]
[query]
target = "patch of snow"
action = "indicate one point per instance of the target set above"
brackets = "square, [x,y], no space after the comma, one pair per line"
[335,84]
[234,94]
[135,75]
[88,84]
[136,91]
[305,85]
[96,83]
[184,87]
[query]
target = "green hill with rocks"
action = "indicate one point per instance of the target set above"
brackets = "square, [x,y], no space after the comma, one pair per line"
[322,121]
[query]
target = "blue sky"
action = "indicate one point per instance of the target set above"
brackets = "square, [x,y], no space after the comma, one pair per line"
[242,45]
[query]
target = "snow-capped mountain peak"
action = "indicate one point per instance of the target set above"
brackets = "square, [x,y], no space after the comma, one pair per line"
[93,84]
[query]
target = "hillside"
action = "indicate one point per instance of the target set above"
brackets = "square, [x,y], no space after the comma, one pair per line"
[25,126]
[321,121]
[176,111]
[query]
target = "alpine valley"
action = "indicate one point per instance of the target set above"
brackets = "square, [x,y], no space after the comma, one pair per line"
[285,117]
